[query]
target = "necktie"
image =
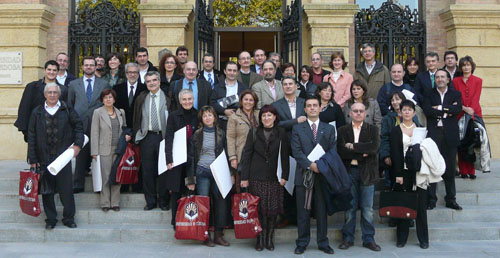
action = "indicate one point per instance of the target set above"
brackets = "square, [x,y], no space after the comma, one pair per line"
[260,71]
[131,95]
[190,85]
[154,115]
[89,90]
[315,133]
[432,81]
[210,80]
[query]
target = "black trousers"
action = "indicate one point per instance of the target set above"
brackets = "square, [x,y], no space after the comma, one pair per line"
[62,183]
[290,207]
[82,166]
[153,184]
[403,225]
[304,216]
[449,154]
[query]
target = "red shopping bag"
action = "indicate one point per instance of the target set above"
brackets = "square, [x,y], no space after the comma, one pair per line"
[246,215]
[128,169]
[28,193]
[191,219]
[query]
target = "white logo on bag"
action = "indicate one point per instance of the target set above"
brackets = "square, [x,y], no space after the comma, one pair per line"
[28,186]
[130,161]
[243,208]
[191,211]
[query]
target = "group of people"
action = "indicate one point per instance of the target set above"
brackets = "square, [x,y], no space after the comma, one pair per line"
[254,113]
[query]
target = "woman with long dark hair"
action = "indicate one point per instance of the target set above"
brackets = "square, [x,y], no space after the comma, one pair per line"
[359,94]
[115,73]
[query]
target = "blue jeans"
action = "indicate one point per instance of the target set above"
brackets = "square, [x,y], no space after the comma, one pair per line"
[203,180]
[362,198]
[206,186]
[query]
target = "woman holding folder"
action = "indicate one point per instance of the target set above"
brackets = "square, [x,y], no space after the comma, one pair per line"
[207,143]
[259,164]
[185,116]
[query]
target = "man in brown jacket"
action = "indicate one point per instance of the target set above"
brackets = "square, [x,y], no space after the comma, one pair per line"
[373,72]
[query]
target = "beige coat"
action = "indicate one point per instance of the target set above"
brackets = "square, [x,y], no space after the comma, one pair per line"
[100,132]
[236,133]
[264,93]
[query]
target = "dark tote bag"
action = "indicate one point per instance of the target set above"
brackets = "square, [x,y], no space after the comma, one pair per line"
[399,205]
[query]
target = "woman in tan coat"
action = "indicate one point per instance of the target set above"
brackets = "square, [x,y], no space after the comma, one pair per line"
[107,123]
[238,125]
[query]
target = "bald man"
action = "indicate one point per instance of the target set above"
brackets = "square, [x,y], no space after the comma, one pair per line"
[201,88]
[396,85]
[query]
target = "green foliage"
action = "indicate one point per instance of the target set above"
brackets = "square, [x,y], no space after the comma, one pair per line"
[117,3]
[247,13]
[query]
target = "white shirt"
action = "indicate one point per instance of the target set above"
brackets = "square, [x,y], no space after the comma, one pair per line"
[156,102]
[92,82]
[129,88]
[205,73]
[311,122]
[249,71]
[356,130]
[257,69]
[440,107]
[336,75]
[399,85]
[232,89]
[62,79]
[293,108]
[143,73]
[369,68]
[452,73]
[52,110]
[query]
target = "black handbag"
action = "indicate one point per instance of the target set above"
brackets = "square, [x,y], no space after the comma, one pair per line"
[398,204]
[43,185]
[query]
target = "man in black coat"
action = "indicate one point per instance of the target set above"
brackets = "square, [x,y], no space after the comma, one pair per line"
[305,137]
[142,59]
[201,88]
[127,92]
[208,73]
[358,145]
[33,96]
[53,128]
[64,77]
[290,108]
[426,80]
[441,106]
[225,96]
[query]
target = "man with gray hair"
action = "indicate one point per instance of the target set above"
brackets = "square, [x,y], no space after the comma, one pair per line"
[127,92]
[53,128]
[149,129]
[372,72]
[276,59]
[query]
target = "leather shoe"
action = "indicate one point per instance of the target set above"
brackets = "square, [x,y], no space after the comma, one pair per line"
[372,246]
[116,208]
[326,249]
[164,207]
[472,177]
[400,245]
[71,224]
[345,245]
[148,208]
[453,205]
[50,226]
[77,190]
[424,245]
[105,209]
[300,250]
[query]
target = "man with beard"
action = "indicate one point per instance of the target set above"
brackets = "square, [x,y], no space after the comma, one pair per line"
[63,76]
[100,70]
[269,90]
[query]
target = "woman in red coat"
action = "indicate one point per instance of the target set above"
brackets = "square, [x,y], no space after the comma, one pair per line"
[470,86]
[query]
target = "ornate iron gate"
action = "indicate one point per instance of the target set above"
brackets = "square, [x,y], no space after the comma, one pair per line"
[292,34]
[396,33]
[203,31]
[101,30]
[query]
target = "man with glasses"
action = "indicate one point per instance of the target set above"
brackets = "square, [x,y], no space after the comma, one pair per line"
[358,145]
[84,96]
[63,76]
[318,72]
[201,88]
[371,71]
[127,92]
[100,69]
[246,75]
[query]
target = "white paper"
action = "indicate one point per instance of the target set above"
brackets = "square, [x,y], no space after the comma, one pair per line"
[222,175]
[408,94]
[316,153]
[334,124]
[166,116]
[96,174]
[419,134]
[291,175]
[63,159]
[179,147]
[162,160]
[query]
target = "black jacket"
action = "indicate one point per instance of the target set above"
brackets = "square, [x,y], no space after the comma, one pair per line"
[195,151]
[217,74]
[204,92]
[33,97]
[122,100]
[69,131]
[69,78]
[220,92]
[369,142]
[423,84]
[259,160]
[165,85]
[177,120]
[151,67]
[309,90]
[398,159]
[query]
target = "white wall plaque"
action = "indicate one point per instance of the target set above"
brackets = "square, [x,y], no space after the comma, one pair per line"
[11,67]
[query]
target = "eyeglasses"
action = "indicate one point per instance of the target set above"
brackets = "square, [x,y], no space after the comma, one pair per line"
[132,72]
[52,92]
[245,58]
[359,111]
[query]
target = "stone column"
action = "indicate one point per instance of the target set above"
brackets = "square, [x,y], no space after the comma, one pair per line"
[473,29]
[169,24]
[326,26]
[23,28]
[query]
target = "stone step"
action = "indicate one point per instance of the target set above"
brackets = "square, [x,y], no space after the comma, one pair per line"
[138,233]
[157,216]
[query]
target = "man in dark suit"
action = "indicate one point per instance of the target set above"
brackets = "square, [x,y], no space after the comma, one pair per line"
[208,73]
[259,56]
[246,75]
[441,106]
[64,77]
[305,137]
[358,145]
[142,59]
[426,80]
[33,96]
[84,96]
[225,97]
[127,92]
[150,127]
[201,88]
[450,63]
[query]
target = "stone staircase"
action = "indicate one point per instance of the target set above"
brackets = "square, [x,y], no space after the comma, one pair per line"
[478,221]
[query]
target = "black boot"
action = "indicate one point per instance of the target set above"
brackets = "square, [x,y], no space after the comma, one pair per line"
[271,224]
[259,246]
